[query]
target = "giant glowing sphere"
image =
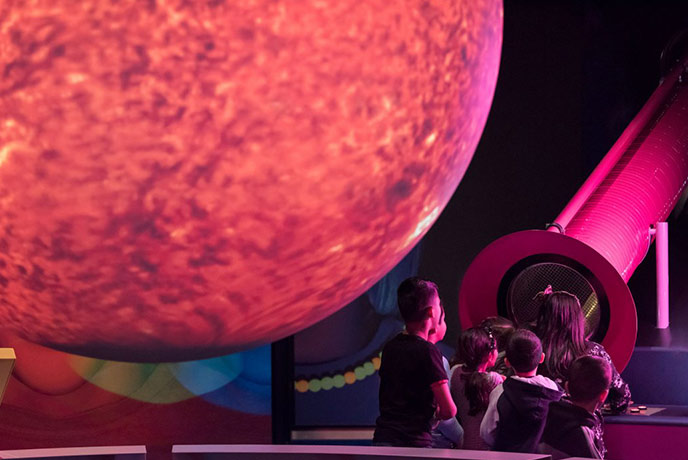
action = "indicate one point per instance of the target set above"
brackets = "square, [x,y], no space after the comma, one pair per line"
[181,179]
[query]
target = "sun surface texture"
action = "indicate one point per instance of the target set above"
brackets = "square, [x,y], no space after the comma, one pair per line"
[183,179]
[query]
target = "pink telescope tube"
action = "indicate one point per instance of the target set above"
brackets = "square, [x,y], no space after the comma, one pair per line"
[638,182]
[606,225]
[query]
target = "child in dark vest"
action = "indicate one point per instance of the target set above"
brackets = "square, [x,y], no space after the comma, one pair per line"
[516,413]
[413,382]
[573,424]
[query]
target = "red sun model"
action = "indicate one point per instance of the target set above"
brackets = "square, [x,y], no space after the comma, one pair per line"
[185,179]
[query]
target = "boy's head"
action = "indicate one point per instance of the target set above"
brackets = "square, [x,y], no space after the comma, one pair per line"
[418,299]
[589,379]
[524,351]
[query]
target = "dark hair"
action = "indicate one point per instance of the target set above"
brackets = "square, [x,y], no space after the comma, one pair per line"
[478,388]
[589,377]
[524,350]
[501,327]
[561,328]
[474,347]
[413,298]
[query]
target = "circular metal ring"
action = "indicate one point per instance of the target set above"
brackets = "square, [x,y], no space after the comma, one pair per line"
[482,289]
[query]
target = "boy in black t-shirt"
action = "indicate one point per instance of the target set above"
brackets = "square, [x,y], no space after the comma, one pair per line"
[413,382]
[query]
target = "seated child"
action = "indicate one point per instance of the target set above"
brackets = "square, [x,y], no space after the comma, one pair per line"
[502,328]
[574,428]
[446,434]
[516,414]
[471,382]
[413,382]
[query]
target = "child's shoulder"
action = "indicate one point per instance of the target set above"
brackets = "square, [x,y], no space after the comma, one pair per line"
[495,377]
[538,380]
[410,343]
[597,350]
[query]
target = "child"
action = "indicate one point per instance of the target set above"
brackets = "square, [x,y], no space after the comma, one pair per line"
[561,328]
[471,383]
[413,382]
[517,411]
[448,434]
[502,328]
[573,427]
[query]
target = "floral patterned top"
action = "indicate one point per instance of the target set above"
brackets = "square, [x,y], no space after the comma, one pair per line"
[619,394]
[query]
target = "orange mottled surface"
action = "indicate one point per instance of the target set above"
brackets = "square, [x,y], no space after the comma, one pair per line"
[182,179]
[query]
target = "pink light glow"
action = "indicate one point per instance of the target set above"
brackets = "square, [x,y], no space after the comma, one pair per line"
[662,240]
[638,183]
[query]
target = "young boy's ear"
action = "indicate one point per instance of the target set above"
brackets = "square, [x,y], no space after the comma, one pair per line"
[603,396]
[542,358]
[506,362]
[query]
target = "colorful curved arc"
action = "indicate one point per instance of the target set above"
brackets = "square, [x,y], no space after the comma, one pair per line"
[240,381]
